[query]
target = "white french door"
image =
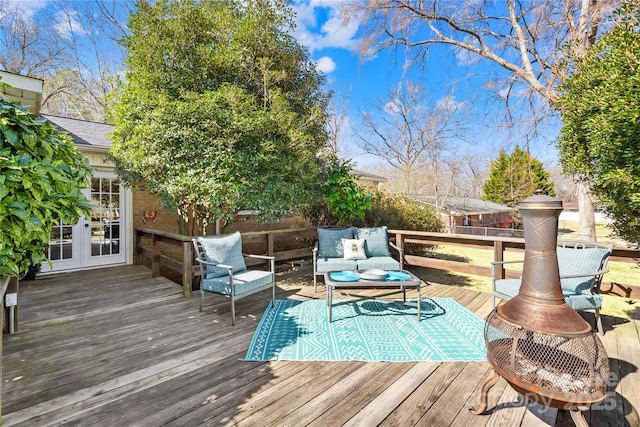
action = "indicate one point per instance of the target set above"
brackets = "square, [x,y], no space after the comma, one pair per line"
[99,240]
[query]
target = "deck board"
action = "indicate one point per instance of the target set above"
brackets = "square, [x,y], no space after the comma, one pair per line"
[117,347]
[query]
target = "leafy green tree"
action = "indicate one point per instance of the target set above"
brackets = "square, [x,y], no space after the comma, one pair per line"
[41,180]
[221,110]
[346,200]
[514,177]
[600,105]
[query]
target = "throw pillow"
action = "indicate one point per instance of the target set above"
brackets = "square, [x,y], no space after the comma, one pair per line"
[330,241]
[376,241]
[354,249]
[223,250]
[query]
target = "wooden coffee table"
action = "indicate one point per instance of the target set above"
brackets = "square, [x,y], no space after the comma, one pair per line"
[396,286]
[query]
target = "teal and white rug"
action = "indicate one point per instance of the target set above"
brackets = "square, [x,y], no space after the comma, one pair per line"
[370,331]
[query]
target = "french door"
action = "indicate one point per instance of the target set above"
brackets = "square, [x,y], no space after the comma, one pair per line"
[99,240]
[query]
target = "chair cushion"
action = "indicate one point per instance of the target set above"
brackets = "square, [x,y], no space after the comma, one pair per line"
[223,250]
[330,241]
[508,287]
[583,301]
[376,241]
[579,261]
[379,262]
[244,282]
[353,249]
[324,265]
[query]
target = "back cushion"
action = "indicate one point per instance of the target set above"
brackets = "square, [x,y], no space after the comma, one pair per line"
[330,241]
[376,241]
[223,250]
[579,261]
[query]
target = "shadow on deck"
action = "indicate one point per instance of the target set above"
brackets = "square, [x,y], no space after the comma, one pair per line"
[116,347]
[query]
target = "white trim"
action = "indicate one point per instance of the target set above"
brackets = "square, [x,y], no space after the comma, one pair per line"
[18,81]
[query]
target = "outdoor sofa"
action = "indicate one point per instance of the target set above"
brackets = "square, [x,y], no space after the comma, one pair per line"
[352,249]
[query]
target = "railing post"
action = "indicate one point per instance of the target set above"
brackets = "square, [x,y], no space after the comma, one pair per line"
[400,242]
[137,253]
[155,257]
[498,256]
[270,239]
[187,268]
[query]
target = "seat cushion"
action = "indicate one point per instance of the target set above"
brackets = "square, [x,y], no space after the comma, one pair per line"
[583,301]
[376,241]
[223,250]
[324,265]
[508,287]
[579,261]
[330,241]
[244,282]
[379,262]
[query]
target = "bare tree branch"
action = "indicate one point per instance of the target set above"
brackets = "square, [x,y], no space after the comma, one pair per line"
[408,133]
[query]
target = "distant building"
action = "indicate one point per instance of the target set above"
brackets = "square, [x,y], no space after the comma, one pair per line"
[367,179]
[469,212]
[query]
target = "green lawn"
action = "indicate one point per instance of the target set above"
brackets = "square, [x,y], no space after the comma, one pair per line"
[621,272]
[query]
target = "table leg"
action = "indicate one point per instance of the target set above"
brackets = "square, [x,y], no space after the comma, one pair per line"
[419,303]
[329,298]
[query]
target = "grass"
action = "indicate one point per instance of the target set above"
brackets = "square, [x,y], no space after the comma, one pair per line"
[620,272]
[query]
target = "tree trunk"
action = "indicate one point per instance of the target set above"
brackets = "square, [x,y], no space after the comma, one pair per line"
[586,212]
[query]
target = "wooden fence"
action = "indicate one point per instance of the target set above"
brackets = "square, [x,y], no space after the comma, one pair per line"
[294,244]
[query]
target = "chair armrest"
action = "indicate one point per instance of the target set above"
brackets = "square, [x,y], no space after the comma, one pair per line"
[507,262]
[259,256]
[598,275]
[400,253]
[315,247]
[396,247]
[595,274]
[215,264]
[272,259]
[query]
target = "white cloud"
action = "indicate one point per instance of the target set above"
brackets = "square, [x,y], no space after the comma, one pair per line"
[67,24]
[325,65]
[449,103]
[26,9]
[393,107]
[334,32]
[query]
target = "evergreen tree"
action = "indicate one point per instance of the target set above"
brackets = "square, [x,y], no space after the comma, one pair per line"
[514,177]
[222,109]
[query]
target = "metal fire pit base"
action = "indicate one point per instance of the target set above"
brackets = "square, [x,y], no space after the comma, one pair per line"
[574,410]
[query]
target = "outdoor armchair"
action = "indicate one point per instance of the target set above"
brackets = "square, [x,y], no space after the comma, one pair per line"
[581,265]
[223,270]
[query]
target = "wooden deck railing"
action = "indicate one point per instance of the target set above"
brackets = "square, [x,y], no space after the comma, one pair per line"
[179,255]
[267,242]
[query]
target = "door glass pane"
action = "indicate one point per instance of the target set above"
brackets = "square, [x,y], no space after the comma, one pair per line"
[105,219]
[60,246]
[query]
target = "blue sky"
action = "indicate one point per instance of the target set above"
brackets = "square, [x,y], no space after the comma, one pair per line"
[335,48]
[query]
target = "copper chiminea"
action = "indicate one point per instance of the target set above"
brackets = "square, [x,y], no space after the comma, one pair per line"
[540,345]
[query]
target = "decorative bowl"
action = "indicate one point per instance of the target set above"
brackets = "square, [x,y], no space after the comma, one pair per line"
[372,274]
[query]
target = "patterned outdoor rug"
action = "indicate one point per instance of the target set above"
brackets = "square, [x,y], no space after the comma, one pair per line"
[369,330]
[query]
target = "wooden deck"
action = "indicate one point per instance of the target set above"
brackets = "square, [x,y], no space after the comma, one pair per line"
[115,347]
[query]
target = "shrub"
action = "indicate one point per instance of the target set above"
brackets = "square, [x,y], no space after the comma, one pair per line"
[400,212]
